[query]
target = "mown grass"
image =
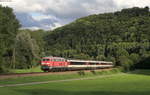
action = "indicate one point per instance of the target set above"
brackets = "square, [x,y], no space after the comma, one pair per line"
[32,70]
[58,76]
[121,84]
[142,72]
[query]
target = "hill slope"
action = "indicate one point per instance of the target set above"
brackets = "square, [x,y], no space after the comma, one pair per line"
[104,37]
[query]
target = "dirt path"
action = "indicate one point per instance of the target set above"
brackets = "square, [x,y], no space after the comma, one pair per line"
[7,76]
[55,81]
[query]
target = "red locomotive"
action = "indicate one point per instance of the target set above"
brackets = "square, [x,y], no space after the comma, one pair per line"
[61,64]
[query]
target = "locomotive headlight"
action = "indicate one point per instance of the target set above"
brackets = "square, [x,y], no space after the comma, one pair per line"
[44,63]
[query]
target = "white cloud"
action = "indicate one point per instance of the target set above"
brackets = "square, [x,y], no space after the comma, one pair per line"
[61,12]
[31,28]
[43,16]
[100,6]
[132,3]
[56,26]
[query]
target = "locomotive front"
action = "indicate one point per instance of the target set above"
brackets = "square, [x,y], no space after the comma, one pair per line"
[53,63]
[46,64]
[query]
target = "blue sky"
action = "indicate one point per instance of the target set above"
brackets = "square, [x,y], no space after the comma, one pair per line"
[50,14]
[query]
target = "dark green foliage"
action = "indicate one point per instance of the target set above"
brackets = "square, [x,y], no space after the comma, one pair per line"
[2,69]
[8,29]
[144,63]
[125,62]
[27,51]
[134,57]
[81,73]
[93,72]
[131,12]
[18,48]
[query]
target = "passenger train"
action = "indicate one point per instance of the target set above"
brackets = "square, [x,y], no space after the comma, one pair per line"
[62,64]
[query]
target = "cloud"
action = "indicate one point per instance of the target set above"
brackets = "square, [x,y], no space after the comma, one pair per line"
[30,22]
[53,13]
[132,3]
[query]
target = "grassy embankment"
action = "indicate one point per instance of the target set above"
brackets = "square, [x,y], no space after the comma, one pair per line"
[134,83]
[80,74]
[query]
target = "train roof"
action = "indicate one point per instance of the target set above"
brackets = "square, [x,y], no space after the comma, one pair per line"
[49,57]
[78,61]
[88,61]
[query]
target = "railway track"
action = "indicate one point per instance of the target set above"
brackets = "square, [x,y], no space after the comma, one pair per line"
[16,75]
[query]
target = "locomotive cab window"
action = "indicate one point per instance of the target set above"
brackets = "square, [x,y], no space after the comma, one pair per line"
[46,59]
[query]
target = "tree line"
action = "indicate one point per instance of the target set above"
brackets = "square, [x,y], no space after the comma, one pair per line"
[122,37]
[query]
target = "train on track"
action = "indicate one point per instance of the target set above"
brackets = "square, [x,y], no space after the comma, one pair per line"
[62,64]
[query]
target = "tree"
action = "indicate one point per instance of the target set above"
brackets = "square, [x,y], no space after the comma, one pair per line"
[135,58]
[27,51]
[9,26]
[144,63]
[125,62]
[100,57]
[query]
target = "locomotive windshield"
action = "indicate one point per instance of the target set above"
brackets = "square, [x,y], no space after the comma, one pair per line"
[46,59]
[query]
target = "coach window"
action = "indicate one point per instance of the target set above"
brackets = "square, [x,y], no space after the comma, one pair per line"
[53,60]
[57,59]
[63,60]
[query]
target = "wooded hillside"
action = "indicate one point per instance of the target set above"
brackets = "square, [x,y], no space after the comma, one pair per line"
[122,37]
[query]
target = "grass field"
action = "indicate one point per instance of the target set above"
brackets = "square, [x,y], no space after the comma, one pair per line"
[57,77]
[35,69]
[133,83]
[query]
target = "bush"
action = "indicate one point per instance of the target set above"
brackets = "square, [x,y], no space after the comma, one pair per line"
[82,73]
[134,57]
[113,71]
[81,56]
[100,57]
[112,59]
[3,69]
[101,72]
[93,72]
[116,70]
[125,62]
[121,52]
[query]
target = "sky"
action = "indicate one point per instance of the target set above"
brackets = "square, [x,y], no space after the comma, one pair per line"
[50,14]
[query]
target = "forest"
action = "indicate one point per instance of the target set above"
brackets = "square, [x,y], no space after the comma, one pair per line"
[122,37]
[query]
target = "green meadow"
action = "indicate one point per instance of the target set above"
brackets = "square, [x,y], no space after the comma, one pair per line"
[32,70]
[133,83]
